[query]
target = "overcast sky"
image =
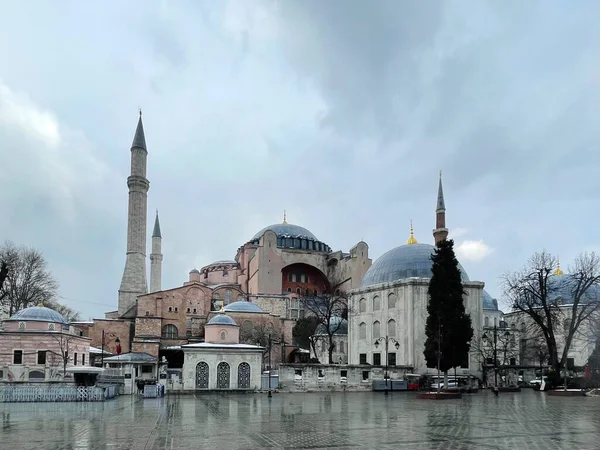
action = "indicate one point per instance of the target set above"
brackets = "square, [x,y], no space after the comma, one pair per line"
[341,112]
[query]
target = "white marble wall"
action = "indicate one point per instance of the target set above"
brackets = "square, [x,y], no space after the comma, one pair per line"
[232,356]
[409,315]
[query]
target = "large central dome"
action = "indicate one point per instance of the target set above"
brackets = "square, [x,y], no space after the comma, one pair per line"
[293,237]
[406,261]
[286,230]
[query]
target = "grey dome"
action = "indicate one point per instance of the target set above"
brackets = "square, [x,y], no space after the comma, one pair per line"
[221,319]
[39,314]
[488,301]
[562,287]
[335,326]
[286,230]
[194,271]
[243,306]
[406,261]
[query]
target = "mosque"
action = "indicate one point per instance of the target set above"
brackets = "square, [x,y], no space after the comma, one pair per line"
[260,288]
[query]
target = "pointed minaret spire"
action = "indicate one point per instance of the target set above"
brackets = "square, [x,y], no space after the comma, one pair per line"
[156,258]
[441,232]
[441,205]
[284,217]
[139,140]
[156,231]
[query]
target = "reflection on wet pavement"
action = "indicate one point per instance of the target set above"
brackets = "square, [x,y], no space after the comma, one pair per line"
[340,420]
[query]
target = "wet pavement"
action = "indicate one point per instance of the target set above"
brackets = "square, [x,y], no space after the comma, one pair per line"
[526,420]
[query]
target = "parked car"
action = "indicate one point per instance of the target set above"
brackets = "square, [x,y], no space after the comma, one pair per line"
[537,382]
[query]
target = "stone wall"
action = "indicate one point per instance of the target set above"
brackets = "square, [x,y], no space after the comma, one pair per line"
[329,377]
[113,329]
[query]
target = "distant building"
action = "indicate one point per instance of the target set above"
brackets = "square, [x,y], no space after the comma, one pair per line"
[38,344]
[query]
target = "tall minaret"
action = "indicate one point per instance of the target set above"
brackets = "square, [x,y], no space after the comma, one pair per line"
[156,257]
[441,232]
[134,275]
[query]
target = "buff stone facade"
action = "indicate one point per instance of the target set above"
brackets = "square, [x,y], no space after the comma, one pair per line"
[271,270]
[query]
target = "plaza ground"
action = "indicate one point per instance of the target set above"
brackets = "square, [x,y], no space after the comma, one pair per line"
[526,420]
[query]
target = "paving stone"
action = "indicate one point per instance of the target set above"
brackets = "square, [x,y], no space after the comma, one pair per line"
[526,420]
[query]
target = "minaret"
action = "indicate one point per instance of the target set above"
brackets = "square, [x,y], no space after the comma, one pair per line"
[156,257]
[441,232]
[134,275]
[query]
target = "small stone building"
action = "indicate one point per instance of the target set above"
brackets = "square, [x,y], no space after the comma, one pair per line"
[221,362]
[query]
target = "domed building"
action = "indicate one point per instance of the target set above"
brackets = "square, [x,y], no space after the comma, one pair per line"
[38,344]
[392,301]
[272,269]
[339,329]
[221,362]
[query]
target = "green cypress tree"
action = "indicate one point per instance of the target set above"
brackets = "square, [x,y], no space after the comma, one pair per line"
[448,327]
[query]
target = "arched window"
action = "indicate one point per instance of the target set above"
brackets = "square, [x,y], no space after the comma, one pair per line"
[391,301]
[334,347]
[202,375]
[307,293]
[216,297]
[228,296]
[244,376]
[495,321]
[486,321]
[376,303]
[289,289]
[523,327]
[298,291]
[376,329]
[323,346]
[362,331]
[392,328]
[362,305]
[170,332]
[223,375]
[342,347]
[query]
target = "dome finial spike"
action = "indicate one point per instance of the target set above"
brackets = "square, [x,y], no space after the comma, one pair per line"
[284,217]
[558,270]
[411,239]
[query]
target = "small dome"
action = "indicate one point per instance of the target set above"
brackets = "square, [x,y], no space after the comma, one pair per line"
[286,230]
[194,271]
[222,319]
[39,314]
[406,261]
[489,302]
[336,324]
[243,306]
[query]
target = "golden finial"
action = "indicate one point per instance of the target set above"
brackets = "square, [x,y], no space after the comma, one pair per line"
[41,304]
[222,310]
[558,270]
[284,217]
[411,239]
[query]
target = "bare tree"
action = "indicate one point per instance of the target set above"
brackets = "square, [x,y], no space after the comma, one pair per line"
[68,313]
[27,280]
[258,334]
[3,275]
[330,311]
[62,356]
[556,306]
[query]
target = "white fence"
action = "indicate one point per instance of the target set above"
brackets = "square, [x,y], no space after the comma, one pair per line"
[19,394]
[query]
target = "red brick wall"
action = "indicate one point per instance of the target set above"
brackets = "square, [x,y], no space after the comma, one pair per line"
[314,279]
[112,329]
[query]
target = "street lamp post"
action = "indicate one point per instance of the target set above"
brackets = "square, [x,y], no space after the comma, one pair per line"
[386,339]
[494,343]
[269,394]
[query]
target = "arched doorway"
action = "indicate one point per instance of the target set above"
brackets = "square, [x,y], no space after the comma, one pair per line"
[202,375]
[244,376]
[223,375]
